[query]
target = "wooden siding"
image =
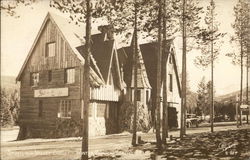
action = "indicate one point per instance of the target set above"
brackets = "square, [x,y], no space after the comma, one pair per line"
[105,93]
[64,58]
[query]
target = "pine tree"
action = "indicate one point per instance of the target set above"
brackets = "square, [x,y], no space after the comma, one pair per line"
[241,38]
[210,41]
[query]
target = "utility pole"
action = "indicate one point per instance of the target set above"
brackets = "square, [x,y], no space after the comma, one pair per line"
[135,51]
[183,95]
[86,85]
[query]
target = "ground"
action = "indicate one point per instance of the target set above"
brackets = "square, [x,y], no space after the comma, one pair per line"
[227,142]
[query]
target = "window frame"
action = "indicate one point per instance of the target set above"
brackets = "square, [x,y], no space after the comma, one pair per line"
[47,51]
[66,74]
[34,83]
[65,109]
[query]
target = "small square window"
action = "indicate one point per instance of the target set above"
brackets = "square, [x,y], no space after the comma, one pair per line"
[34,79]
[50,49]
[69,75]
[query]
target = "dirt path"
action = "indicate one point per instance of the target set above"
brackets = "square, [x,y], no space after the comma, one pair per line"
[70,148]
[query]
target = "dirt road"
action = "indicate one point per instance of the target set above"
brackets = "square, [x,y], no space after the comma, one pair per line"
[70,148]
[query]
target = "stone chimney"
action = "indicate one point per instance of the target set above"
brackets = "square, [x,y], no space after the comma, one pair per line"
[108,31]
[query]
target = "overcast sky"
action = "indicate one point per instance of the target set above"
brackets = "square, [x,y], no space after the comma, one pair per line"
[18,34]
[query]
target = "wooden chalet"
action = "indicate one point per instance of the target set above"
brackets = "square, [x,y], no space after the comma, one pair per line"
[51,78]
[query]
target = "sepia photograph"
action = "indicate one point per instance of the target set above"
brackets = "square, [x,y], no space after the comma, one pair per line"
[125,80]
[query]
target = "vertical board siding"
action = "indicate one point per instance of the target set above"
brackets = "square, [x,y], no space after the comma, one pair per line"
[64,58]
[105,93]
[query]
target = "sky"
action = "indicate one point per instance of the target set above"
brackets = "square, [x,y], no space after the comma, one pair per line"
[18,35]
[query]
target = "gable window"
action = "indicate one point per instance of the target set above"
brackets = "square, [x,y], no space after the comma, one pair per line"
[170,59]
[40,108]
[50,76]
[50,49]
[34,79]
[138,95]
[69,75]
[65,109]
[170,82]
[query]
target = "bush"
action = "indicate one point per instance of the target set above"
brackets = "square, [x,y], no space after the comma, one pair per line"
[127,115]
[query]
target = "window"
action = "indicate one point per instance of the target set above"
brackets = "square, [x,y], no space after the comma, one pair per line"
[50,49]
[40,108]
[138,95]
[65,109]
[170,59]
[147,96]
[170,82]
[49,76]
[69,75]
[34,79]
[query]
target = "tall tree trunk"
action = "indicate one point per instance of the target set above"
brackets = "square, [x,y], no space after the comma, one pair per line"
[247,78]
[212,70]
[86,85]
[158,89]
[241,75]
[165,99]
[183,92]
[135,51]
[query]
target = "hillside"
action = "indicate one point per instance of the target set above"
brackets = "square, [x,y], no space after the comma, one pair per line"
[231,96]
[9,83]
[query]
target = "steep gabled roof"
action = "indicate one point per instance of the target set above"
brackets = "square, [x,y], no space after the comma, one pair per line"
[126,59]
[149,53]
[102,51]
[72,34]
[104,54]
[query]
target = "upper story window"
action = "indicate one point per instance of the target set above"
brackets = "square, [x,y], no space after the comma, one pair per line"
[170,59]
[34,79]
[50,49]
[69,75]
[170,82]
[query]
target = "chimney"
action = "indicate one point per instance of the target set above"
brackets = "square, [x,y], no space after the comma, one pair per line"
[108,31]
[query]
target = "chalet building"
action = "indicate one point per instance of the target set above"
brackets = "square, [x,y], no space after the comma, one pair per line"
[51,78]
[146,75]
